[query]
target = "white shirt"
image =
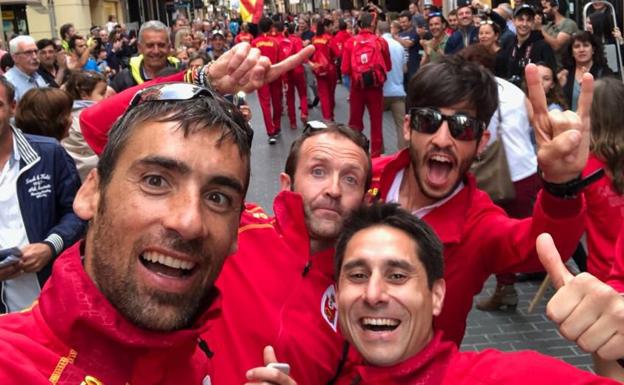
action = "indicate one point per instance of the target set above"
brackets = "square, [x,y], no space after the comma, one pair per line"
[394,79]
[20,292]
[516,130]
[393,196]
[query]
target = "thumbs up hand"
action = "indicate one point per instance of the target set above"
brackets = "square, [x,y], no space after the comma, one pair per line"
[587,310]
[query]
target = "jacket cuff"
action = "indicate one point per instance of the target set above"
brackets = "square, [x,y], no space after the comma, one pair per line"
[56,242]
[555,207]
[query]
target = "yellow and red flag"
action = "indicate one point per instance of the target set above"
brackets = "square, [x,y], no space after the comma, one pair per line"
[251,10]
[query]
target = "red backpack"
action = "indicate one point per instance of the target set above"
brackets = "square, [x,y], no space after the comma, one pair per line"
[367,63]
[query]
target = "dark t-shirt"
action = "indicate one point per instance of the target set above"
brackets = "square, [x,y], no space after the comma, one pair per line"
[413,59]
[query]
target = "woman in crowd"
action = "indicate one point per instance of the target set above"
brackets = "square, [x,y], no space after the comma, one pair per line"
[85,88]
[45,111]
[324,69]
[604,198]
[584,53]
[552,89]
[489,33]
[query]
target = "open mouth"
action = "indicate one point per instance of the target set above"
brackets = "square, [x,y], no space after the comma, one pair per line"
[440,166]
[166,265]
[379,324]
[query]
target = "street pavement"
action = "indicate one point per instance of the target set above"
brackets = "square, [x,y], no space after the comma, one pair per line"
[507,331]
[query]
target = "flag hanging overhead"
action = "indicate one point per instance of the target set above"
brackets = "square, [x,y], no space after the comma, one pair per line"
[251,10]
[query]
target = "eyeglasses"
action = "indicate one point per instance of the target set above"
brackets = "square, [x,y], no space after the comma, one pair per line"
[429,120]
[171,92]
[30,52]
[314,126]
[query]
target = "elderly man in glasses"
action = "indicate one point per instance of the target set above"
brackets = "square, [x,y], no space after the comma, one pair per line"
[23,75]
[128,304]
[449,104]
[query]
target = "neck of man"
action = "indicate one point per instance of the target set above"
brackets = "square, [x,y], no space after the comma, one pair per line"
[50,68]
[411,197]
[522,39]
[152,72]
[6,144]
[558,18]
[318,245]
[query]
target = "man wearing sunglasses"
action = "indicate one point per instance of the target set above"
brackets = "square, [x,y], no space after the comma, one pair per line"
[449,105]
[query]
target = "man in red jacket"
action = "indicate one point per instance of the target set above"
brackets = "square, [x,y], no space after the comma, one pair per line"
[449,104]
[390,286]
[128,304]
[270,95]
[278,288]
[366,60]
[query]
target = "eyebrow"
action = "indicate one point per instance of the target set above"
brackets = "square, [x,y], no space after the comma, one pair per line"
[184,169]
[394,263]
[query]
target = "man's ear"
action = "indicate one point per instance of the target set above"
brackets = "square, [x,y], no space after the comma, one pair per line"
[437,296]
[407,131]
[87,198]
[483,142]
[285,182]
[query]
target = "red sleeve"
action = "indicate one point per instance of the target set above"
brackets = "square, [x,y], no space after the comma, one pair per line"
[97,120]
[616,278]
[345,66]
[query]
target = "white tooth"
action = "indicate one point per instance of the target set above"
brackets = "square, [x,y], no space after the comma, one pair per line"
[166,260]
[380,321]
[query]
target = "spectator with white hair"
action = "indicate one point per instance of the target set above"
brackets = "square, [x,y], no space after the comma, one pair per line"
[23,75]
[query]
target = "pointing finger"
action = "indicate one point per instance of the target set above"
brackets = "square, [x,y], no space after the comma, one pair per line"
[536,91]
[585,98]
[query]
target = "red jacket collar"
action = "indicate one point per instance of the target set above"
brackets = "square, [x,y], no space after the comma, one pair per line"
[426,367]
[449,231]
[78,313]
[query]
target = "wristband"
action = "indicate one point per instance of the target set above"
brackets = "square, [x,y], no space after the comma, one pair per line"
[570,189]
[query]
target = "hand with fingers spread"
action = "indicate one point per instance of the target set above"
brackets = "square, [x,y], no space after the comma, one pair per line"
[243,68]
[562,137]
[587,310]
[266,376]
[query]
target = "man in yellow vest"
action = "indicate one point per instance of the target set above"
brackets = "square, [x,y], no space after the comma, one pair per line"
[154,48]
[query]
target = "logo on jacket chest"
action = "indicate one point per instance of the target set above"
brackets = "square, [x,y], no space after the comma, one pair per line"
[329,310]
[39,186]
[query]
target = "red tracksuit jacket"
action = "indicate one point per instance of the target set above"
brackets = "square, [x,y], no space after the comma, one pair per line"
[480,239]
[439,363]
[605,216]
[73,333]
[276,293]
[268,47]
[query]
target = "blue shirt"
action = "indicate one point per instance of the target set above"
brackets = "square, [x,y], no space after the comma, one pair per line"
[23,82]
[394,80]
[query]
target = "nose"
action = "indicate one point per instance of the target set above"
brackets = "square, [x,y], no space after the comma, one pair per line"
[184,215]
[376,291]
[333,189]
[443,138]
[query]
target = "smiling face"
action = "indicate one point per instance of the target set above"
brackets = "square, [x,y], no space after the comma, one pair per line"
[330,175]
[464,17]
[154,47]
[162,226]
[436,27]
[385,304]
[452,20]
[439,162]
[546,78]
[487,35]
[524,25]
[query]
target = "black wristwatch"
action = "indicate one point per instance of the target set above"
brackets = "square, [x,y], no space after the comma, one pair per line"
[571,189]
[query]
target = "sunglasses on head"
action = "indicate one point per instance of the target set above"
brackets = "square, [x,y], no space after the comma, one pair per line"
[461,126]
[171,92]
[313,126]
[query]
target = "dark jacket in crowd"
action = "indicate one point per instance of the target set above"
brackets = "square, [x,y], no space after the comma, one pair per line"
[533,50]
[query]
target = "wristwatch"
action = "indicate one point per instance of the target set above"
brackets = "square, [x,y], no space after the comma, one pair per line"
[570,189]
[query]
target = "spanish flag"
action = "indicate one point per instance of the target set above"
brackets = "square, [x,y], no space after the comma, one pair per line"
[251,10]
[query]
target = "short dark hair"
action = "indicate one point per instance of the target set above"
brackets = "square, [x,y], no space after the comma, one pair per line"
[452,80]
[6,62]
[72,41]
[429,247]
[478,53]
[332,128]
[65,29]
[365,20]
[406,13]
[8,87]
[265,24]
[82,83]
[44,111]
[342,25]
[43,43]
[194,115]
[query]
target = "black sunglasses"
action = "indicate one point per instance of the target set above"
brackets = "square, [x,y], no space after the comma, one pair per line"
[429,120]
[171,92]
[313,126]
